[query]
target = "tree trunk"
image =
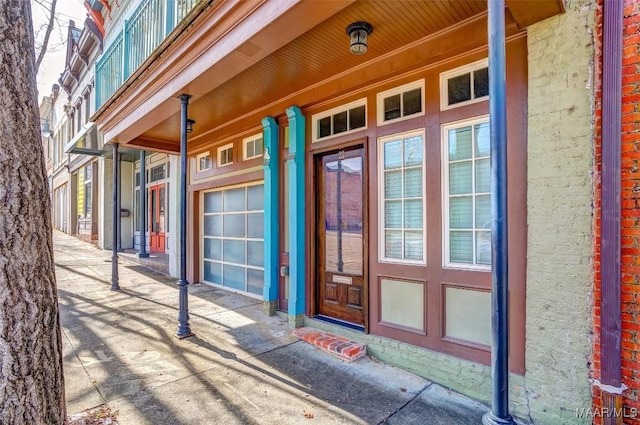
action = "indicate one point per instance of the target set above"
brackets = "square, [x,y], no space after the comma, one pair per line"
[31,379]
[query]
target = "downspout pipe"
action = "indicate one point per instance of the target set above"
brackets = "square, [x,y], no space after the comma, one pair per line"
[499,413]
[610,310]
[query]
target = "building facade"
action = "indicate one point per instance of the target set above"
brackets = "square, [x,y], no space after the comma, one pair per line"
[351,191]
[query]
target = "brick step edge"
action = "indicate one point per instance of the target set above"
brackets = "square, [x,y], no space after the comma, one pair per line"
[343,348]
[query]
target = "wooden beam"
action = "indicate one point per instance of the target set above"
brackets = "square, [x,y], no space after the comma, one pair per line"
[528,12]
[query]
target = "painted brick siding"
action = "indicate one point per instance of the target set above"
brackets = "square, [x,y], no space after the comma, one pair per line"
[560,197]
[630,203]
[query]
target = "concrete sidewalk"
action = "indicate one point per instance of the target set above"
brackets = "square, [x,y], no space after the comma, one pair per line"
[241,367]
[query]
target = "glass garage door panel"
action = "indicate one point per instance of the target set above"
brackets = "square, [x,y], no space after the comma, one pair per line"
[233,238]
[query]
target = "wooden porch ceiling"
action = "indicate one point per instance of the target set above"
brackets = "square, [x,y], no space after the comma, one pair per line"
[320,53]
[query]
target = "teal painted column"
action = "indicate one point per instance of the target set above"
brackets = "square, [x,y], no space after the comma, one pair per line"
[271,224]
[297,230]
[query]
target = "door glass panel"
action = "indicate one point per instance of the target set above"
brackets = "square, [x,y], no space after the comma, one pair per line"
[213,249]
[161,201]
[255,197]
[255,281]
[234,199]
[233,251]
[234,276]
[154,214]
[255,225]
[234,225]
[343,215]
[255,253]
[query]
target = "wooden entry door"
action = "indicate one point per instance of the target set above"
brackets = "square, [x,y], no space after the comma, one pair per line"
[341,230]
[157,218]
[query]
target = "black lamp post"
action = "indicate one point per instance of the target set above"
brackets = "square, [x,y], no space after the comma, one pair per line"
[186,126]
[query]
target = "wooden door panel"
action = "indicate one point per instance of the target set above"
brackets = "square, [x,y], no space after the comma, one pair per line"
[341,235]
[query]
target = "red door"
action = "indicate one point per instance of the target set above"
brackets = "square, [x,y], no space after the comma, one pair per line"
[157,218]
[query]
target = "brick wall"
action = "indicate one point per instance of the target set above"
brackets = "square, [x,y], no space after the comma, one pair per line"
[559,245]
[630,220]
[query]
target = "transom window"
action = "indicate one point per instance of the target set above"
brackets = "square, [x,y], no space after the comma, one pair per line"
[341,120]
[467,195]
[203,161]
[225,155]
[402,210]
[400,103]
[158,173]
[464,85]
[253,146]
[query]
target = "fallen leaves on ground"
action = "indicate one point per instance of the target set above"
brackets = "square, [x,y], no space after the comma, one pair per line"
[100,416]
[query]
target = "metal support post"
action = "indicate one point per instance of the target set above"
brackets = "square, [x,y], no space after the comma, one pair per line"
[115,286]
[142,214]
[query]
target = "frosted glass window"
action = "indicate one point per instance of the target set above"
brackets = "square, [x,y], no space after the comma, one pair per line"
[255,225]
[213,225]
[402,303]
[233,243]
[468,199]
[234,225]
[468,315]
[402,215]
[234,199]
[234,251]
[213,249]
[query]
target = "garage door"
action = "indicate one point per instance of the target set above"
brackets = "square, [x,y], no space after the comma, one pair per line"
[233,238]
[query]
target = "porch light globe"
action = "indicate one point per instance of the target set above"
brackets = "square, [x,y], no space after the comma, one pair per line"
[358,34]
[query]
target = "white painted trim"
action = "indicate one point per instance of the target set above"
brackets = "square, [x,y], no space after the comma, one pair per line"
[219,151]
[199,157]
[346,107]
[446,263]
[456,72]
[381,235]
[246,141]
[380,97]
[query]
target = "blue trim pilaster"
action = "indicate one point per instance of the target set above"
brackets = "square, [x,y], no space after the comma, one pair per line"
[297,230]
[271,219]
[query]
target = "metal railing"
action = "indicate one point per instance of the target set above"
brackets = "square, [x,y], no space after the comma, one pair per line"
[143,32]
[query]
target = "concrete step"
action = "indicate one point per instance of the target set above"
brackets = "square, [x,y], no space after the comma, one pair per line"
[338,346]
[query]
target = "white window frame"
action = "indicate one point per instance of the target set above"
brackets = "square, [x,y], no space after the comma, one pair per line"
[381,216]
[456,72]
[446,262]
[315,119]
[219,153]
[245,143]
[201,156]
[380,97]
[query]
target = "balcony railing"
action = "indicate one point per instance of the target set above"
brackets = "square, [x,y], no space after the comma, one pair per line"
[149,24]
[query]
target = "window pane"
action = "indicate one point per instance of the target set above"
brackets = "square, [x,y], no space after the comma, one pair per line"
[460,178]
[324,127]
[234,277]
[250,146]
[340,122]
[412,102]
[255,281]
[483,175]
[234,199]
[212,202]
[213,225]
[393,184]
[136,210]
[257,147]
[255,198]
[461,247]
[483,212]
[357,117]
[233,251]
[393,214]
[393,244]
[413,245]
[255,253]
[392,107]
[413,151]
[212,249]
[213,272]
[459,89]
[483,247]
[233,226]
[461,212]
[413,183]
[460,144]
[255,225]
[483,143]
[392,154]
[481,82]
[413,214]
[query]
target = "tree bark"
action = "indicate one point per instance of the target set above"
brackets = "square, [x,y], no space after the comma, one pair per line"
[31,378]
